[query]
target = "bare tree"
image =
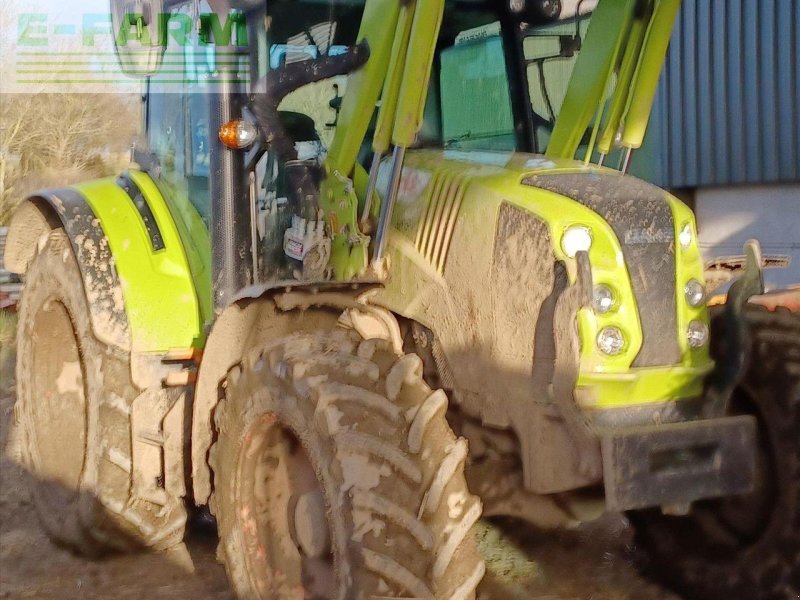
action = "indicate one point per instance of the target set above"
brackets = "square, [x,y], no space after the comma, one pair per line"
[67,130]
[49,138]
[57,138]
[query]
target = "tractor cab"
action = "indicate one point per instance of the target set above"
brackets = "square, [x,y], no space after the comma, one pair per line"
[248,193]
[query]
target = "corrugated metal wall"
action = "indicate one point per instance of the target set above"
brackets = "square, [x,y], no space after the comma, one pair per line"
[729,103]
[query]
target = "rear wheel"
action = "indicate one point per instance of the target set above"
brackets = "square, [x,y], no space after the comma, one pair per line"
[74,396]
[746,546]
[337,476]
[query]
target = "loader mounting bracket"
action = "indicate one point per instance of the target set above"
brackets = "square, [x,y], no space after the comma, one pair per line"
[731,366]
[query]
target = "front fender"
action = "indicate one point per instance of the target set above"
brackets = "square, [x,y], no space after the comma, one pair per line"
[258,314]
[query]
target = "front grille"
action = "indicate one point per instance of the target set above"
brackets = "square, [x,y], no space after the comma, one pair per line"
[435,230]
[641,218]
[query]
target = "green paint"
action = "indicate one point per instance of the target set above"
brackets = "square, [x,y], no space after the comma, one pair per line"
[417,71]
[619,99]
[158,290]
[590,79]
[181,34]
[338,198]
[212,31]
[604,381]
[364,87]
[382,138]
[349,246]
[648,72]
[132,28]
[193,234]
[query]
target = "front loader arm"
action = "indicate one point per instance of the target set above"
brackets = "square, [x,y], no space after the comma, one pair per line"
[629,38]
[364,87]
[398,71]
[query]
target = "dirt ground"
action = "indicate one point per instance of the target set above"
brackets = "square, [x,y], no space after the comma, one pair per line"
[590,563]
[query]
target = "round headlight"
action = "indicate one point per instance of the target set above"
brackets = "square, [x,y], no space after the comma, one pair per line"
[603,298]
[686,236]
[697,334]
[610,340]
[695,293]
[576,239]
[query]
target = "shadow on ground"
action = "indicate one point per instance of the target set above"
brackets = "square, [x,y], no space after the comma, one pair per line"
[589,563]
[32,567]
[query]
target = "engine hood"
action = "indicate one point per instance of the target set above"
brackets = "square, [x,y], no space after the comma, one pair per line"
[480,234]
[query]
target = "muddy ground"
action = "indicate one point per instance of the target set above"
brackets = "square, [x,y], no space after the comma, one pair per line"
[590,563]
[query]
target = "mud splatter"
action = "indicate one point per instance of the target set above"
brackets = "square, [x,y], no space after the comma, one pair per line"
[360,473]
[69,380]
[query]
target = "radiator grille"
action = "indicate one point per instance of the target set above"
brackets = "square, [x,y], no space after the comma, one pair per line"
[435,229]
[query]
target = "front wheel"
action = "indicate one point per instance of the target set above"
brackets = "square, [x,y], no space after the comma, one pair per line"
[337,477]
[746,546]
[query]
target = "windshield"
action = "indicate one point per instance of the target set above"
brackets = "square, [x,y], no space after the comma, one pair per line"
[293,31]
[469,75]
[483,95]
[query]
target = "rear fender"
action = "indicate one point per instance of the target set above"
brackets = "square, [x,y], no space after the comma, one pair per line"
[134,265]
[67,208]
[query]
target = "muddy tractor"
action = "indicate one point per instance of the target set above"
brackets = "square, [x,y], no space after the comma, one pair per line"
[344,300]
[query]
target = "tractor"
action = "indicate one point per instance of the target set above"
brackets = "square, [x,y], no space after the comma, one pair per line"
[343,300]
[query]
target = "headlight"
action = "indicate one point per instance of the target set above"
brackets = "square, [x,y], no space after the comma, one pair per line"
[697,334]
[610,340]
[695,293]
[686,236]
[603,299]
[577,238]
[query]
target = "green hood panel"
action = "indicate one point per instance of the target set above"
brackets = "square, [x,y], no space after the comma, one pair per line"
[446,273]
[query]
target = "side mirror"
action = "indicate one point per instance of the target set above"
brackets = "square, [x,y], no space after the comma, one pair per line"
[138,38]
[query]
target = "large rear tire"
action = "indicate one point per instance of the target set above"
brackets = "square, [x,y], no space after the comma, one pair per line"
[74,397]
[748,546]
[337,476]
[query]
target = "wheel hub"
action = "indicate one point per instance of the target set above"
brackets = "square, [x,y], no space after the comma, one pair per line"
[284,516]
[311,532]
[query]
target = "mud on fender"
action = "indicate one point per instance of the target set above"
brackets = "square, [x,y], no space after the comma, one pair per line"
[92,250]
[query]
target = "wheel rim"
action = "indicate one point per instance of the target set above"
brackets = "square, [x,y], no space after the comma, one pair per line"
[58,397]
[283,517]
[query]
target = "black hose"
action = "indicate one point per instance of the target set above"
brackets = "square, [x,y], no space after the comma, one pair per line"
[270,90]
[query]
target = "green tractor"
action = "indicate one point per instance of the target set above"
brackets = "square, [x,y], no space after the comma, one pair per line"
[342,302]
